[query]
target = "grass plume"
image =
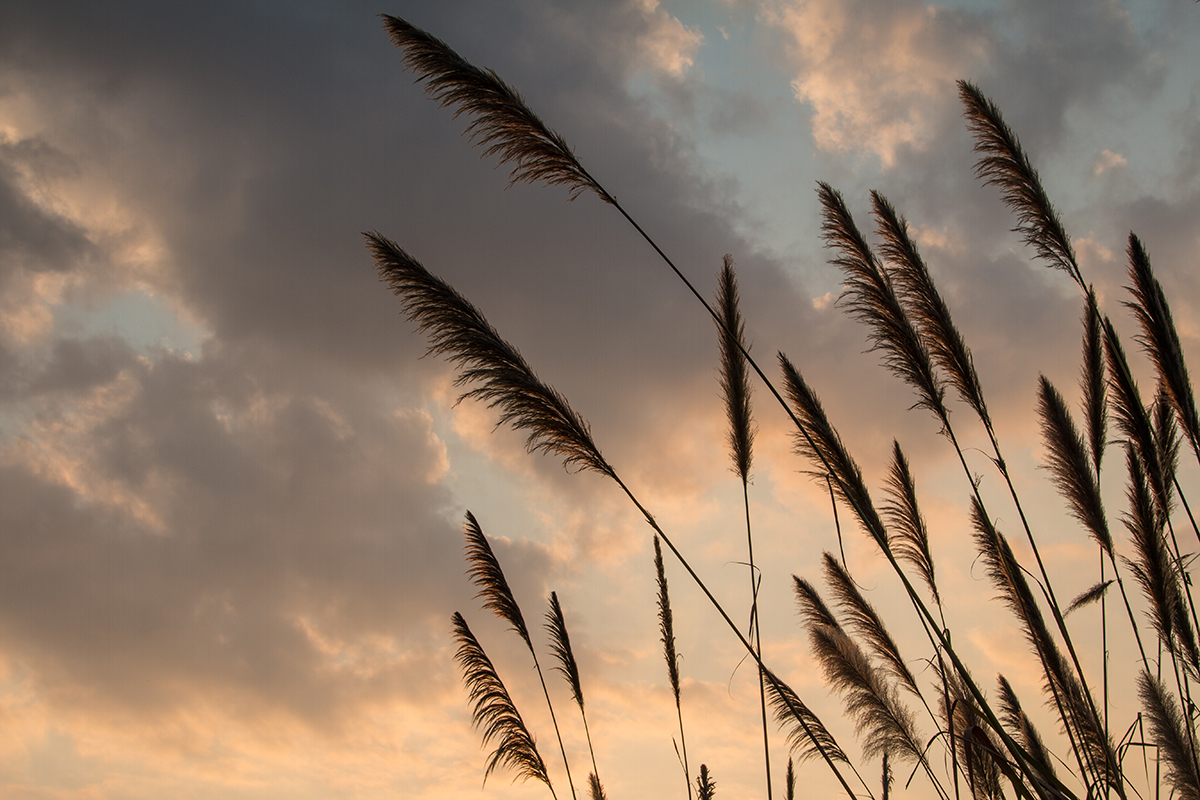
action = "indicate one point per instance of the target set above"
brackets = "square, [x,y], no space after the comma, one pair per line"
[1160,339]
[666,626]
[925,307]
[1092,380]
[735,388]
[1168,731]
[870,297]
[807,735]
[503,379]
[864,620]
[909,537]
[484,569]
[560,648]
[494,712]
[1004,164]
[1069,467]
[500,121]
[1021,728]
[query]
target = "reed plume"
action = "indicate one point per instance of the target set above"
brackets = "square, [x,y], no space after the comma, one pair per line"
[500,121]
[494,712]
[822,444]
[597,791]
[961,718]
[735,380]
[484,569]
[870,297]
[485,572]
[864,620]
[1095,398]
[1160,340]
[1166,441]
[666,626]
[1021,728]
[458,331]
[1133,421]
[806,734]
[706,787]
[1004,164]
[735,387]
[560,648]
[925,307]
[1169,730]
[882,721]
[909,538]
[1085,731]
[1154,569]
[1070,469]
[1092,594]
[870,698]
[789,782]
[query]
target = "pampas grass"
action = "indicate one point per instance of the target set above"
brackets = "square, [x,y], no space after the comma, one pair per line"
[991,742]
[494,712]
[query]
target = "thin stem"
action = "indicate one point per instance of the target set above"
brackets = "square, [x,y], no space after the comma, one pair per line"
[732,626]
[754,626]
[554,720]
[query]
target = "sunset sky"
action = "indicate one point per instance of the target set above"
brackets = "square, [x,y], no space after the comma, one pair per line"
[232,492]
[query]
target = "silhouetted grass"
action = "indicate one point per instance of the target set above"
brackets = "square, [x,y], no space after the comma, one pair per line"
[992,745]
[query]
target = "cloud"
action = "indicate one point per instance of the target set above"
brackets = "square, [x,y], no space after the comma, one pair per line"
[668,44]
[874,75]
[1108,161]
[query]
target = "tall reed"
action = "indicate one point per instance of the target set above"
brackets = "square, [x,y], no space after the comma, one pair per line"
[991,743]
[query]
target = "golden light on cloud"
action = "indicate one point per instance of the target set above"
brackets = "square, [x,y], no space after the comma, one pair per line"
[668,45]
[872,76]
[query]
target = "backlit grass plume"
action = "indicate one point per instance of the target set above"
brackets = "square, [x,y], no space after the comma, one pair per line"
[500,120]
[494,712]
[1021,728]
[735,380]
[925,307]
[1160,339]
[597,791]
[706,787]
[1168,729]
[1003,163]
[862,618]
[908,534]
[500,375]
[1133,421]
[881,720]
[1084,730]
[808,740]
[666,627]
[871,299]
[1153,567]
[484,569]
[560,648]
[735,387]
[823,445]
[1069,466]
[1093,382]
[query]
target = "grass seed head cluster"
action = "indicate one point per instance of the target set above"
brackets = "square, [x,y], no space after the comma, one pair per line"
[986,744]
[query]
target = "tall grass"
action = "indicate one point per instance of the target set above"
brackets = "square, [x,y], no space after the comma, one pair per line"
[981,743]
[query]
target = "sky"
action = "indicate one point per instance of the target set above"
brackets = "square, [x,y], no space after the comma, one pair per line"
[233,491]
